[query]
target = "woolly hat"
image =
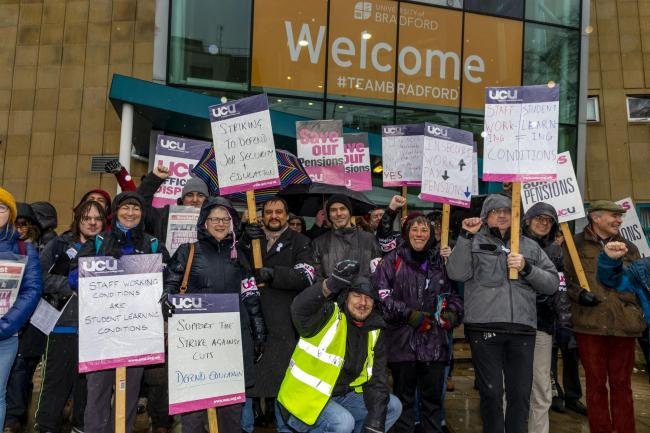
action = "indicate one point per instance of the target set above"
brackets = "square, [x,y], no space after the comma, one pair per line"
[8,199]
[406,227]
[99,191]
[494,201]
[194,184]
[338,198]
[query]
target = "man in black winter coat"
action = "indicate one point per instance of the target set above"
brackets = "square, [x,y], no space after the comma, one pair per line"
[288,269]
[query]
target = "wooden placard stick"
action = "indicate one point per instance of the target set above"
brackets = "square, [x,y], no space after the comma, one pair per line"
[575,258]
[252,219]
[120,400]
[515,216]
[212,420]
[404,208]
[444,229]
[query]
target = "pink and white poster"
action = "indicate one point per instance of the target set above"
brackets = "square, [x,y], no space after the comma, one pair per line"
[320,150]
[357,162]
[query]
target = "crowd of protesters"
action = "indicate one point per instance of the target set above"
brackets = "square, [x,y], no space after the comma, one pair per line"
[361,296]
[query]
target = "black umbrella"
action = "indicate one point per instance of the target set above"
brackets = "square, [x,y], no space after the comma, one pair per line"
[307,200]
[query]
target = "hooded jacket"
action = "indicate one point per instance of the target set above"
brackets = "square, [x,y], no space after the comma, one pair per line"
[216,269]
[47,218]
[342,244]
[31,285]
[554,309]
[492,301]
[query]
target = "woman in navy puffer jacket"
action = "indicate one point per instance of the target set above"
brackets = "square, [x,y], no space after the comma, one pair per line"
[28,295]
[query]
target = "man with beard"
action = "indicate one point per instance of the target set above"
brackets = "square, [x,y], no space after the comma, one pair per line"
[288,269]
[337,380]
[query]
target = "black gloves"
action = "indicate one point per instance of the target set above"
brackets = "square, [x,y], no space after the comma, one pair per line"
[258,348]
[254,231]
[168,308]
[264,275]
[113,166]
[587,299]
[342,275]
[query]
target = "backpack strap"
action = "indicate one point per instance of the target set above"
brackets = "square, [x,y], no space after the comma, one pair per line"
[188,267]
[99,240]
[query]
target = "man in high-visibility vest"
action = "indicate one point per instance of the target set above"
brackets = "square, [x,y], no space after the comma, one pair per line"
[337,379]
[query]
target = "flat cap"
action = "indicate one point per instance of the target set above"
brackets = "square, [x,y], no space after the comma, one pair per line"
[606,205]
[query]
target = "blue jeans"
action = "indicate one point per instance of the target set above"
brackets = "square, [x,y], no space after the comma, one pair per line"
[248,418]
[8,350]
[346,414]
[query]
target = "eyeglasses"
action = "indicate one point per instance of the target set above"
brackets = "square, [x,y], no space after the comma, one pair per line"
[543,219]
[4,208]
[297,223]
[217,220]
[502,210]
[88,219]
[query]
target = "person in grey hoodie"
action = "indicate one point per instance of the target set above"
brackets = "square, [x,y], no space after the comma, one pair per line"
[501,314]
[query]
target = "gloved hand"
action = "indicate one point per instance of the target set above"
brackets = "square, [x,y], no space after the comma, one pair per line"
[342,275]
[448,319]
[258,348]
[420,321]
[254,231]
[168,309]
[113,166]
[264,275]
[587,299]
[73,279]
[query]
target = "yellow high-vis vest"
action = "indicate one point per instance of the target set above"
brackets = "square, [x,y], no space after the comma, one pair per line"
[315,366]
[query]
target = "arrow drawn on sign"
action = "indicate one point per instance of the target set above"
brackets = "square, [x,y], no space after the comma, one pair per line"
[467,192]
[444,175]
[461,164]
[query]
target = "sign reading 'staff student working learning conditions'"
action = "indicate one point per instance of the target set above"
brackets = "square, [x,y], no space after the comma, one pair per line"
[206,364]
[243,145]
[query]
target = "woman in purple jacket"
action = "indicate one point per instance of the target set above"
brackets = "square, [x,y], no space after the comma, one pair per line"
[419,306]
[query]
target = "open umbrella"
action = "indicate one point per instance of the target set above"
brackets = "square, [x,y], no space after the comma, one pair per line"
[290,171]
[307,200]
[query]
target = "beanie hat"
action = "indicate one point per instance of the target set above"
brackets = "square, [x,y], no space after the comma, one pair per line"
[8,200]
[494,201]
[194,184]
[99,191]
[406,227]
[337,198]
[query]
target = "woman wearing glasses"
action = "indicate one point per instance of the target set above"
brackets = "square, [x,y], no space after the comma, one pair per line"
[60,373]
[220,266]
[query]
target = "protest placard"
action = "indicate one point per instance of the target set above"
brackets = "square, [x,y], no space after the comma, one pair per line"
[631,228]
[563,193]
[179,155]
[46,315]
[120,320]
[11,275]
[520,133]
[357,162]
[206,364]
[447,165]
[243,145]
[401,149]
[181,226]
[475,189]
[321,151]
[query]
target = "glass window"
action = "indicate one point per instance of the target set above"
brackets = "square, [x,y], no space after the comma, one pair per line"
[638,108]
[299,107]
[568,140]
[474,124]
[564,12]
[551,54]
[448,3]
[406,116]
[593,111]
[209,43]
[506,8]
[362,117]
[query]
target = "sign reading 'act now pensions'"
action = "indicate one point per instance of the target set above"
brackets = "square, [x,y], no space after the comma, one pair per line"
[401,152]
[243,145]
[447,165]
[521,130]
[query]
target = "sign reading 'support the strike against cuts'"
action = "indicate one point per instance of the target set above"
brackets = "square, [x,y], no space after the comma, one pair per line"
[321,150]
[447,165]
[631,228]
[181,226]
[206,365]
[120,321]
[521,129]
[179,155]
[401,150]
[357,162]
[243,145]
[563,193]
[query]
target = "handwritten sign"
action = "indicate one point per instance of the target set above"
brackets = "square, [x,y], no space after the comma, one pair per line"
[320,149]
[243,145]
[631,228]
[120,321]
[401,148]
[206,364]
[357,162]
[563,193]
[475,189]
[521,129]
[181,226]
[11,275]
[179,155]
[447,165]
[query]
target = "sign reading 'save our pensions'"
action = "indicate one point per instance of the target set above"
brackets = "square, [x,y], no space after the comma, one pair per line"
[120,320]
[321,151]
[520,133]
[206,365]
[563,193]
[401,150]
[447,165]
[243,145]
[357,162]
[631,228]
